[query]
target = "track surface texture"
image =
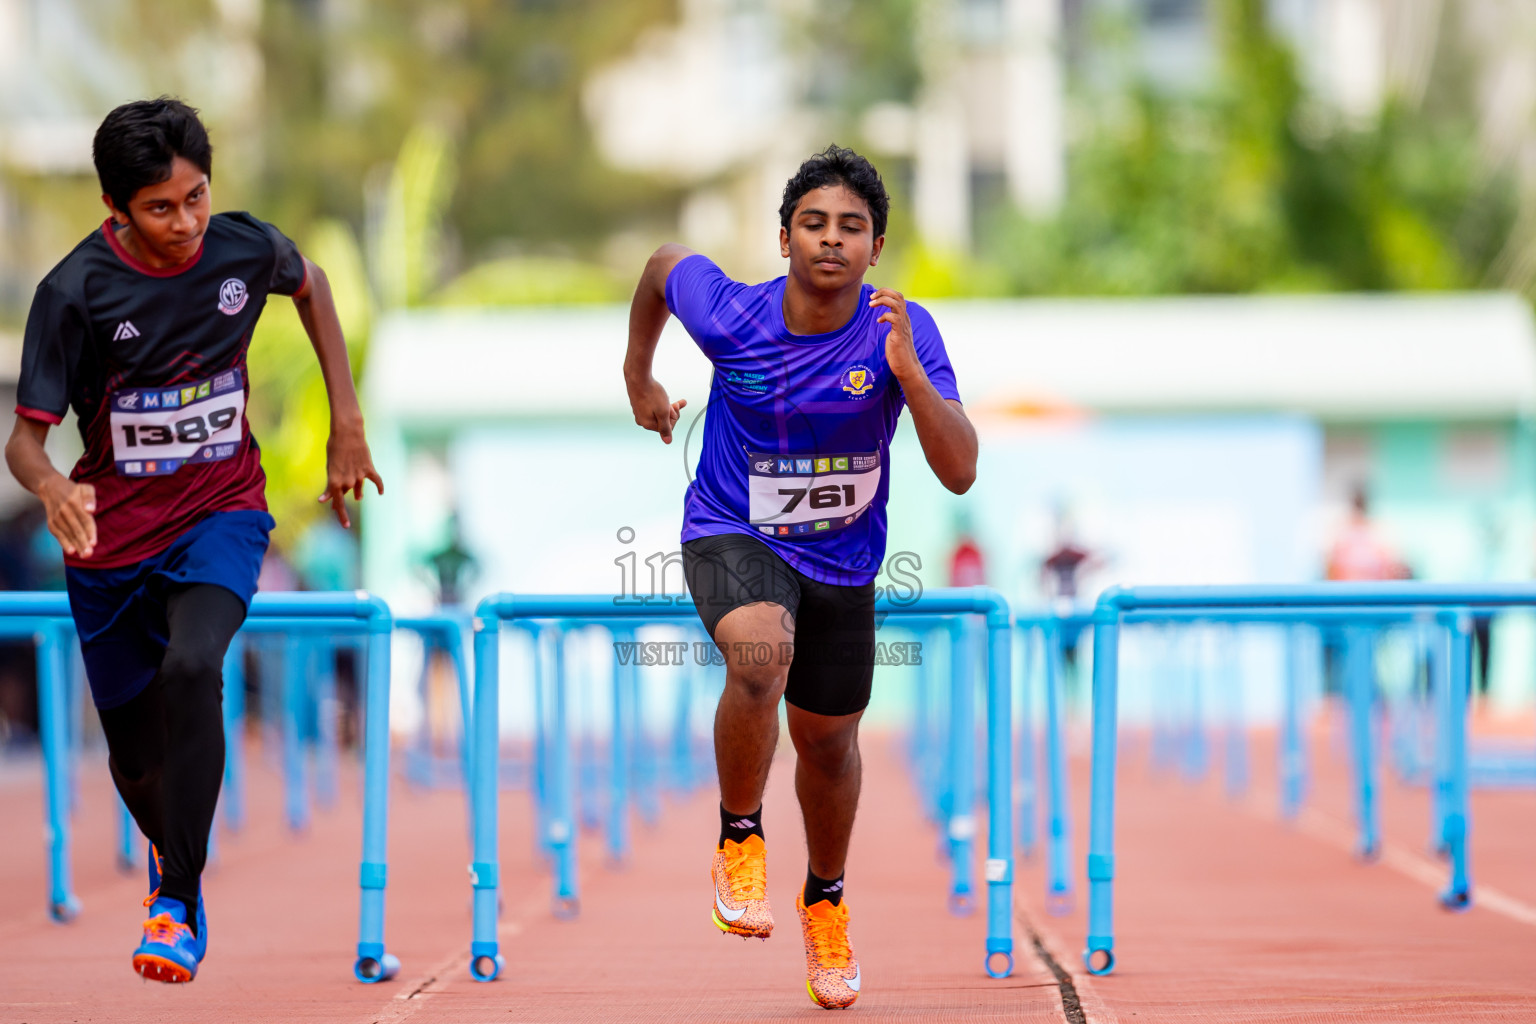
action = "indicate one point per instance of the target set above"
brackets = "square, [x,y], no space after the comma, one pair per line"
[1223,913]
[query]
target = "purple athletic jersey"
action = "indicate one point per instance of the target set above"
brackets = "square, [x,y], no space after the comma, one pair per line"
[798,429]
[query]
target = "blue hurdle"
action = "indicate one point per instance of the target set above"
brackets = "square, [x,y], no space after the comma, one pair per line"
[486,961]
[1279,603]
[442,631]
[312,613]
[1052,628]
[946,745]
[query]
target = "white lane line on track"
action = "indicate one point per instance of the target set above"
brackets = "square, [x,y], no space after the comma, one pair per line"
[414,994]
[1094,1008]
[1326,827]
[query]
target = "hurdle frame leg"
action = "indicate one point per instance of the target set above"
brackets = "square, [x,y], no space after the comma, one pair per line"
[485,959]
[63,905]
[1099,956]
[619,749]
[1293,758]
[961,824]
[1359,682]
[562,819]
[373,963]
[999,864]
[1059,895]
[1029,781]
[1458,893]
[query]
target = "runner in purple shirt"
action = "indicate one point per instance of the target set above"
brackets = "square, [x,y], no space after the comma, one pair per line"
[785,522]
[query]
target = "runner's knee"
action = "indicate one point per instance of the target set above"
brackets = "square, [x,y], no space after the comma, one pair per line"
[191,672]
[758,682]
[832,749]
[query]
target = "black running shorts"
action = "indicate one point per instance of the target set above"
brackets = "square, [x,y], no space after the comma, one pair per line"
[833,666]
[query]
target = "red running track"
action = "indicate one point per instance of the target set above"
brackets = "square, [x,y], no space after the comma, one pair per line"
[1224,915]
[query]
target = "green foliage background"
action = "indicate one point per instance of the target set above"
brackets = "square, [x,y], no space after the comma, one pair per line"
[438,154]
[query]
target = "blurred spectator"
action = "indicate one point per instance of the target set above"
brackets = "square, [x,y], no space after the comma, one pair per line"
[967,566]
[1061,570]
[453,566]
[1359,552]
[326,556]
[1061,581]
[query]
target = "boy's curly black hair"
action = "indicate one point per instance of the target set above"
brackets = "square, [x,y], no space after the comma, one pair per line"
[838,166]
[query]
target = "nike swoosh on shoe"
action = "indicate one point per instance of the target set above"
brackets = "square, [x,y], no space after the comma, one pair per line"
[727,914]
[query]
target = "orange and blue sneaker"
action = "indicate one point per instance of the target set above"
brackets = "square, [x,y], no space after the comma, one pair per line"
[740,874]
[831,970]
[169,951]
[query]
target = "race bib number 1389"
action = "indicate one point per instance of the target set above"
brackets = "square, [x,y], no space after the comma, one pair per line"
[156,431]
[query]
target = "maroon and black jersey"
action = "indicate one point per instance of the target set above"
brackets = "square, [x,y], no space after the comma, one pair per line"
[152,360]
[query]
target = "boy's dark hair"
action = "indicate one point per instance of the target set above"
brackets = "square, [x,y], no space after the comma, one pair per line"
[837,166]
[135,145]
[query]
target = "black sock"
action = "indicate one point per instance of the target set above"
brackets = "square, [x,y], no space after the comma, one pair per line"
[818,889]
[736,827]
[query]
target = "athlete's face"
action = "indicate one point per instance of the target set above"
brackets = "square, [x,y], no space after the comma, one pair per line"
[830,241]
[168,219]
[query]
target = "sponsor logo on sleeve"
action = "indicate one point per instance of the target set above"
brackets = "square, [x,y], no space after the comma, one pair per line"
[232,296]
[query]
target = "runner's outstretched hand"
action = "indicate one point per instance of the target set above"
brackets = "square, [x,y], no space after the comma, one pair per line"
[652,409]
[347,465]
[900,352]
[71,511]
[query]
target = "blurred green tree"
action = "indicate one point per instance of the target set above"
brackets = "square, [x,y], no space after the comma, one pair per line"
[1251,185]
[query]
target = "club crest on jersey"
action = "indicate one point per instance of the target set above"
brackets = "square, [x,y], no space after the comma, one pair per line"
[858,381]
[232,296]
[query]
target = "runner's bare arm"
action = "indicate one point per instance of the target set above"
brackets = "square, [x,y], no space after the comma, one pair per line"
[70,506]
[948,439]
[348,462]
[647,316]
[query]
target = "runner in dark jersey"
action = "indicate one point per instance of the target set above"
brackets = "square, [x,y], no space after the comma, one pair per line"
[143,331]
[784,525]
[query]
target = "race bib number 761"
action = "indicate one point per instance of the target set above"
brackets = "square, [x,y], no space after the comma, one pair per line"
[808,496]
[156,431]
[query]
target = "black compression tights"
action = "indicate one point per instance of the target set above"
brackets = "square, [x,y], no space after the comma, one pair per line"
[166,745]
